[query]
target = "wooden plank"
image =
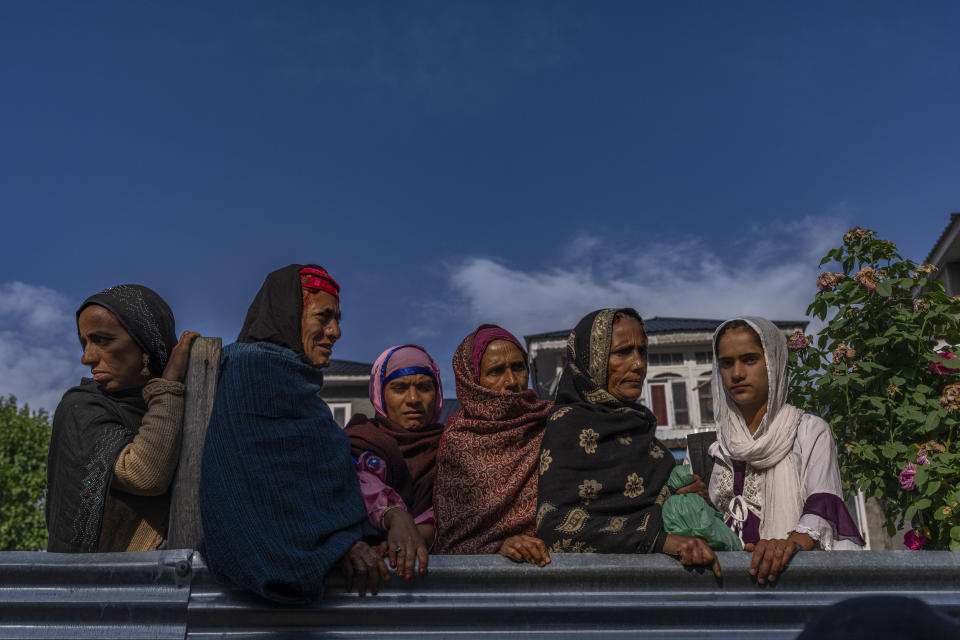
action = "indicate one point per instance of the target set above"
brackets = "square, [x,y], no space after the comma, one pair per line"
[185,529]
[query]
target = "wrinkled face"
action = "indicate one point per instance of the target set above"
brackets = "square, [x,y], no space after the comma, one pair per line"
[627,366]
[503,368]
[114,358]
[410,401]
[319,327]
[743,367]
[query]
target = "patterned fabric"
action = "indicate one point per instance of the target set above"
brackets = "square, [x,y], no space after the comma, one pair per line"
[90,428]
[146,317]
[486,488]
[603,474]
[279,498]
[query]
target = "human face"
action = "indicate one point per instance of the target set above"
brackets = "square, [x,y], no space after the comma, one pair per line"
[743,369]
[627,365]
[319,327]
[410,401]
[503,367]
[114,358]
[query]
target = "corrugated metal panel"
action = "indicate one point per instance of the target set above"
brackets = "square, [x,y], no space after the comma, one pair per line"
[162,595]
[104,595]
[585,596]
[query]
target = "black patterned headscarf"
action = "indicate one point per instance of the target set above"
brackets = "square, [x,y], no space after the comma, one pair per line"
[603,474]
[146,317]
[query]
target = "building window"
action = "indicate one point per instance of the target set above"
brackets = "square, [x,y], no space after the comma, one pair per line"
[681,411]
[704,357]
[664,358]
[341,412]
[705,396]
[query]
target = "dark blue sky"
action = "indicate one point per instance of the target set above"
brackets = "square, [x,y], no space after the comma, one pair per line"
[457,163]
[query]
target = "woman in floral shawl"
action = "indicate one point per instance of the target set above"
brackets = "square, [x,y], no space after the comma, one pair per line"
[486,489]
[603,474]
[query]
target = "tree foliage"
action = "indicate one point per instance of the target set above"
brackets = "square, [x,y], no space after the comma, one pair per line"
[880,374]
[24,442]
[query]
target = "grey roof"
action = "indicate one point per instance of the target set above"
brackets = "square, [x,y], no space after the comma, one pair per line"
[954,217]
[664,325]
[348,368]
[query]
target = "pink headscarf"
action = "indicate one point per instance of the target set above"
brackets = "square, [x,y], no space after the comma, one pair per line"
[486,334]
[398,361]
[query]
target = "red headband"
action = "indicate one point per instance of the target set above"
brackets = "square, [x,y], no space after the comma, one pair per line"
[314,280]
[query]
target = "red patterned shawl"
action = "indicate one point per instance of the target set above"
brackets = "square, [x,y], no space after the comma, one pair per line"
[487,463]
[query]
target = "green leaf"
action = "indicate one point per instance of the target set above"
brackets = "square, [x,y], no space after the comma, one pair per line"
[932,422]
[923,503]
[911,511]
[921,477]
[955,533]
[955,545]
[884,289]
[932,487]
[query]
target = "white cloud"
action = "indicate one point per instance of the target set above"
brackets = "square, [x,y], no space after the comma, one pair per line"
[771,272]
[39,353]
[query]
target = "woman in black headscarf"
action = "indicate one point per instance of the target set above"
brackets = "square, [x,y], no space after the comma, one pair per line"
[603,473]
[116,436]
[279,499]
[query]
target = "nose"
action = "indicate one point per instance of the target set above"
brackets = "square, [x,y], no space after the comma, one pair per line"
[738,371]
[412,396]
[89,355]
[510,381]
[639,361]
[332,330]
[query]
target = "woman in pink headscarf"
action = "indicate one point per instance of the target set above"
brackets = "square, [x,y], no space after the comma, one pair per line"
[487,465]
[396,453]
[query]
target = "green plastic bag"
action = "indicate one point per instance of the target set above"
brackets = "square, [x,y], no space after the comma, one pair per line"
[690,515]
[680,477]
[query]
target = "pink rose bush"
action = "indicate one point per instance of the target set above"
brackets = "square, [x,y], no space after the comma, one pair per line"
[937,368]
[906,477]
[914,540]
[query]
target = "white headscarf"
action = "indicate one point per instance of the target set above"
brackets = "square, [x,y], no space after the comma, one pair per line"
[769,448]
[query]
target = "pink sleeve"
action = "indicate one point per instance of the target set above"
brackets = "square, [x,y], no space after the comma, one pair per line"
[427,517]
[377,496]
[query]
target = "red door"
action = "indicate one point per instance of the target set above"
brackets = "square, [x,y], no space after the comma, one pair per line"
[658,403]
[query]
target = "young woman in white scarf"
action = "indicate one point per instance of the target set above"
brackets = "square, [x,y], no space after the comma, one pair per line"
[775,475]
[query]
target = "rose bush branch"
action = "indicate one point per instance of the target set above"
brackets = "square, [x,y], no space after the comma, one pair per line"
[884,374]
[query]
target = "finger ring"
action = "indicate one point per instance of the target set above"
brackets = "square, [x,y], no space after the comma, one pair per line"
[399,549]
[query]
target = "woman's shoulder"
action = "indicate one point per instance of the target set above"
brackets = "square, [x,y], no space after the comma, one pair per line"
[81,399]
[255,353]
[812,425]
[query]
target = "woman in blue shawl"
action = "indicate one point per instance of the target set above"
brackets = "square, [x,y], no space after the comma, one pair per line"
[279,498]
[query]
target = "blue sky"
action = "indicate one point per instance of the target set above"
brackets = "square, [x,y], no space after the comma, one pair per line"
[457,163]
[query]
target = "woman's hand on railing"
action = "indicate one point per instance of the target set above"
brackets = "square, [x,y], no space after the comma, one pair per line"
[770,557]
[525,549]
[692,551]
[404,546]
[366,566]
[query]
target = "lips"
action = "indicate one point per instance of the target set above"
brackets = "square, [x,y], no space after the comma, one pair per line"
[739,387]
[100,376]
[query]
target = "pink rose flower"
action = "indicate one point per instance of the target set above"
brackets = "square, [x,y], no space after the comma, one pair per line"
[913,540]
[906,477]
[867,276]
[798,341]
[938,368]
[922,457]
[828,280]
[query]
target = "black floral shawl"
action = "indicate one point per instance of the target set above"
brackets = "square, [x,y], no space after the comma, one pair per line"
[603,474]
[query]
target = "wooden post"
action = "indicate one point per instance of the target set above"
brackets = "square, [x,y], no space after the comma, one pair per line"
[185,529]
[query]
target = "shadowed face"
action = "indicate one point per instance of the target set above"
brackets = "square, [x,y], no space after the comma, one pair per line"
[503,367]
[410,401]
[319,327]
[627,366]
[114,358]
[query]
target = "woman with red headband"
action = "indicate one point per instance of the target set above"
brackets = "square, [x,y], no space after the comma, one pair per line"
[396,453]
[279,498]
[486,490]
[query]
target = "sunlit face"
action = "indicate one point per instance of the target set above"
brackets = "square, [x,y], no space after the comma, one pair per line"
[627,366]
[410,401]
[114,358]
[743,368]
[503,367]
[319,327]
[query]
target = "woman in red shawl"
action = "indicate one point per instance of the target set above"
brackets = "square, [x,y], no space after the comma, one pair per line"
[487,464]
[396,453]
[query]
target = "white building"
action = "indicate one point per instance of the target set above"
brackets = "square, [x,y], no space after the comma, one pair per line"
[679,367]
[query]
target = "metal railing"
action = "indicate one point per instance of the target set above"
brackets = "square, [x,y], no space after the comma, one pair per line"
[170,594]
